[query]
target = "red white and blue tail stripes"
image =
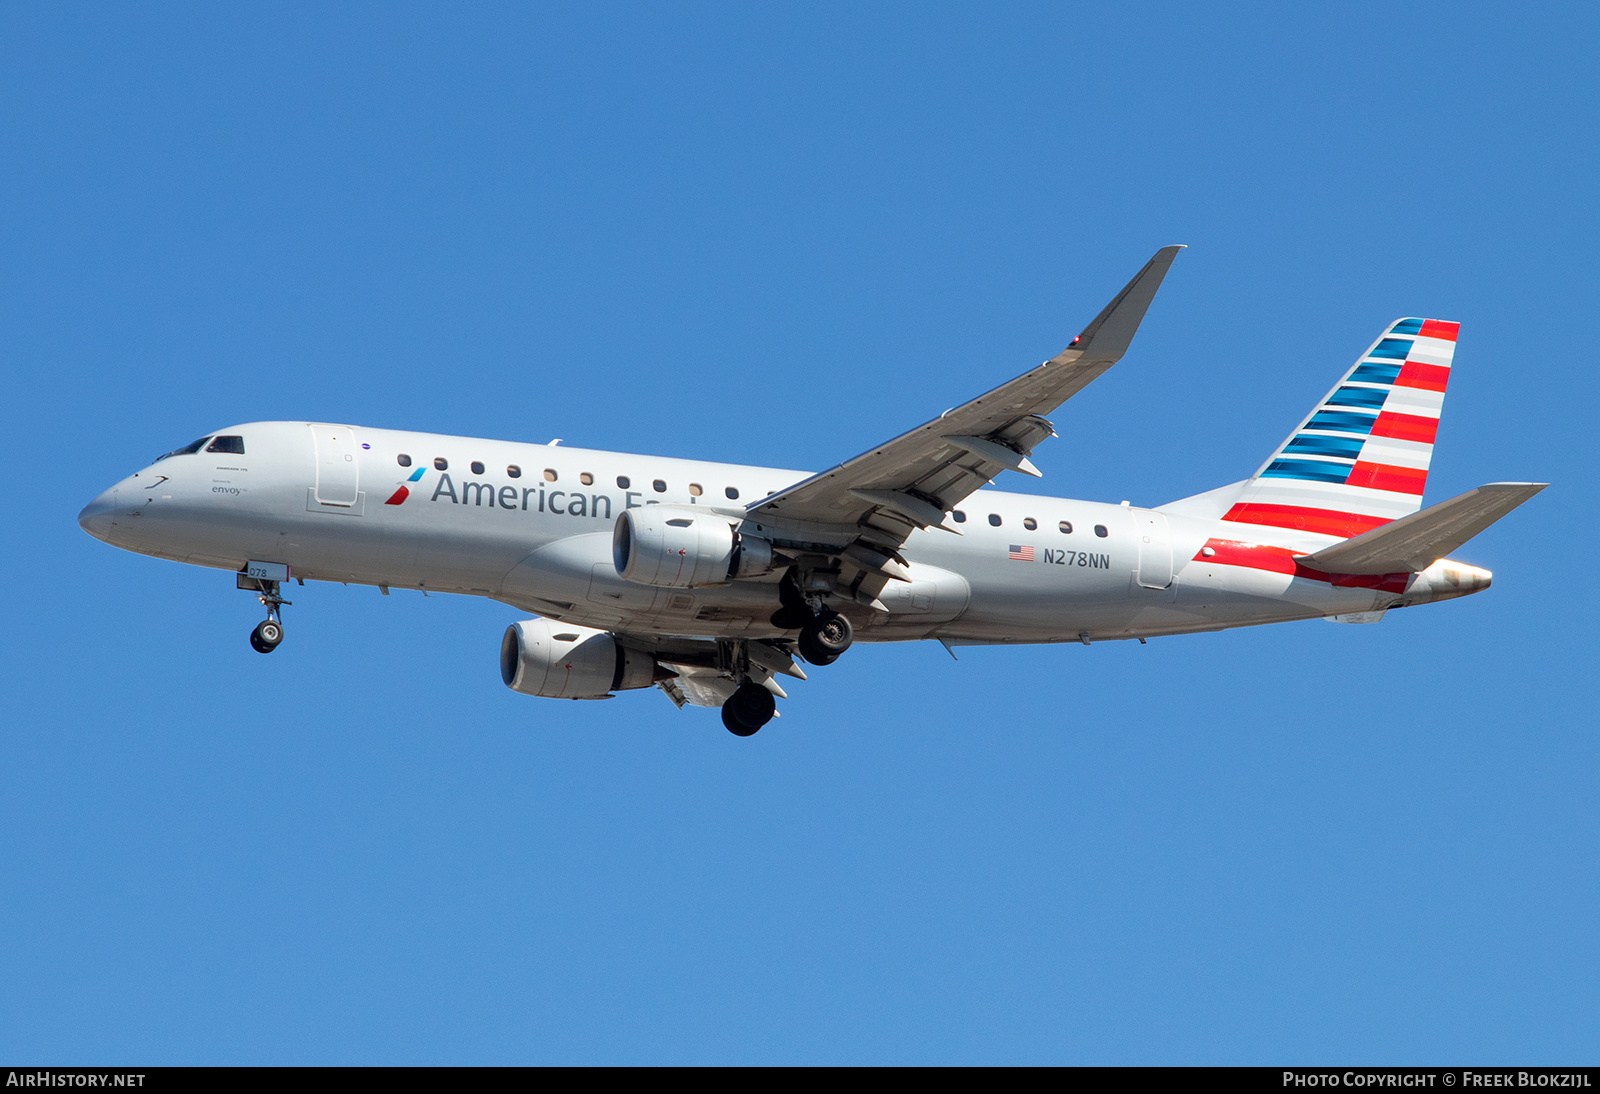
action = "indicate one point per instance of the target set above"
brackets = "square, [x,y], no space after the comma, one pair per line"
[1360,459]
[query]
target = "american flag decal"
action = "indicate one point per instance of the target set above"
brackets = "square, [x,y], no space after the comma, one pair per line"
[1020,554]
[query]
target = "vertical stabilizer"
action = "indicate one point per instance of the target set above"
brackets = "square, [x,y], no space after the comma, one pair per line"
[1360,459]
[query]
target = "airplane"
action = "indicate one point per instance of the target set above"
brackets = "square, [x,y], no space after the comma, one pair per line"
[706,580]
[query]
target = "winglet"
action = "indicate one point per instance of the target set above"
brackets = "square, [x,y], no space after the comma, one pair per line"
[1108,337]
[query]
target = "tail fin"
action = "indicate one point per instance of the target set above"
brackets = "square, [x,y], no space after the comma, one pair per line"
[1360,458]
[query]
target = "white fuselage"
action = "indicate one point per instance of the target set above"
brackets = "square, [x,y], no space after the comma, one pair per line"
[533,529]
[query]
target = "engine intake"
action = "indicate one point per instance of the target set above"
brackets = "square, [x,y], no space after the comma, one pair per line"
[563,661]
[679,547]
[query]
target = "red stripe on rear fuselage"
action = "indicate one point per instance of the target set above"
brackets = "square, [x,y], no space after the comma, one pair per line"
[1282,560]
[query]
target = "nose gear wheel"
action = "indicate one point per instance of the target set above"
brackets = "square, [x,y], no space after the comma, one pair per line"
[266,636]
[269,632]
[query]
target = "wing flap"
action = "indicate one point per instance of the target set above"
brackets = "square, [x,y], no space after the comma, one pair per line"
[1415,542]
[705,676]
[698,687]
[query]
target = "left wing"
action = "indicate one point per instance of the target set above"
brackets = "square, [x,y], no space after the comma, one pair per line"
[913,480]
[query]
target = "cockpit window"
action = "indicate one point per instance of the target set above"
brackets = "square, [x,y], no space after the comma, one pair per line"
[186,450]
[232,445]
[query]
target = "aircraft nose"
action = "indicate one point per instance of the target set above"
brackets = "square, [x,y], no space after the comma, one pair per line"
[96,517]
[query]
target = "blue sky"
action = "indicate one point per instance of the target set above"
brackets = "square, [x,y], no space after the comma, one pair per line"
[778,234]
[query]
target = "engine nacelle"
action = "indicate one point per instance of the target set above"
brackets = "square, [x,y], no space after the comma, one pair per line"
[563,661]
[683,547]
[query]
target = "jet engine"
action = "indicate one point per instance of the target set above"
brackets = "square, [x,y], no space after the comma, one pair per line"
[680,547]
[563,661]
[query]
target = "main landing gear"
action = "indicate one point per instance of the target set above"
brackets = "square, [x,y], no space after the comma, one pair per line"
[748,709]
[754,702]
[824,638]
[268,632]
[824,633]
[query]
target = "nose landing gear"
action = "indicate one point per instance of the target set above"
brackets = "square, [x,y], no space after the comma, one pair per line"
[269,632]
[266,636]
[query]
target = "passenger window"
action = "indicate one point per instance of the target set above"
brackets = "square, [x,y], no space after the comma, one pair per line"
[1100,530]
[961,518]
[1066,527]
[660,486]
[623,482]
[549,475]
[694,488]
[994,519]
[234,446]
[403,460]
[440,463]
[477,467]
[586,478]
[1030,524]
[732,492]
[514,471]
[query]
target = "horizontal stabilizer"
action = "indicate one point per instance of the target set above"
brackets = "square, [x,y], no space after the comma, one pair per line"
[1415,542]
